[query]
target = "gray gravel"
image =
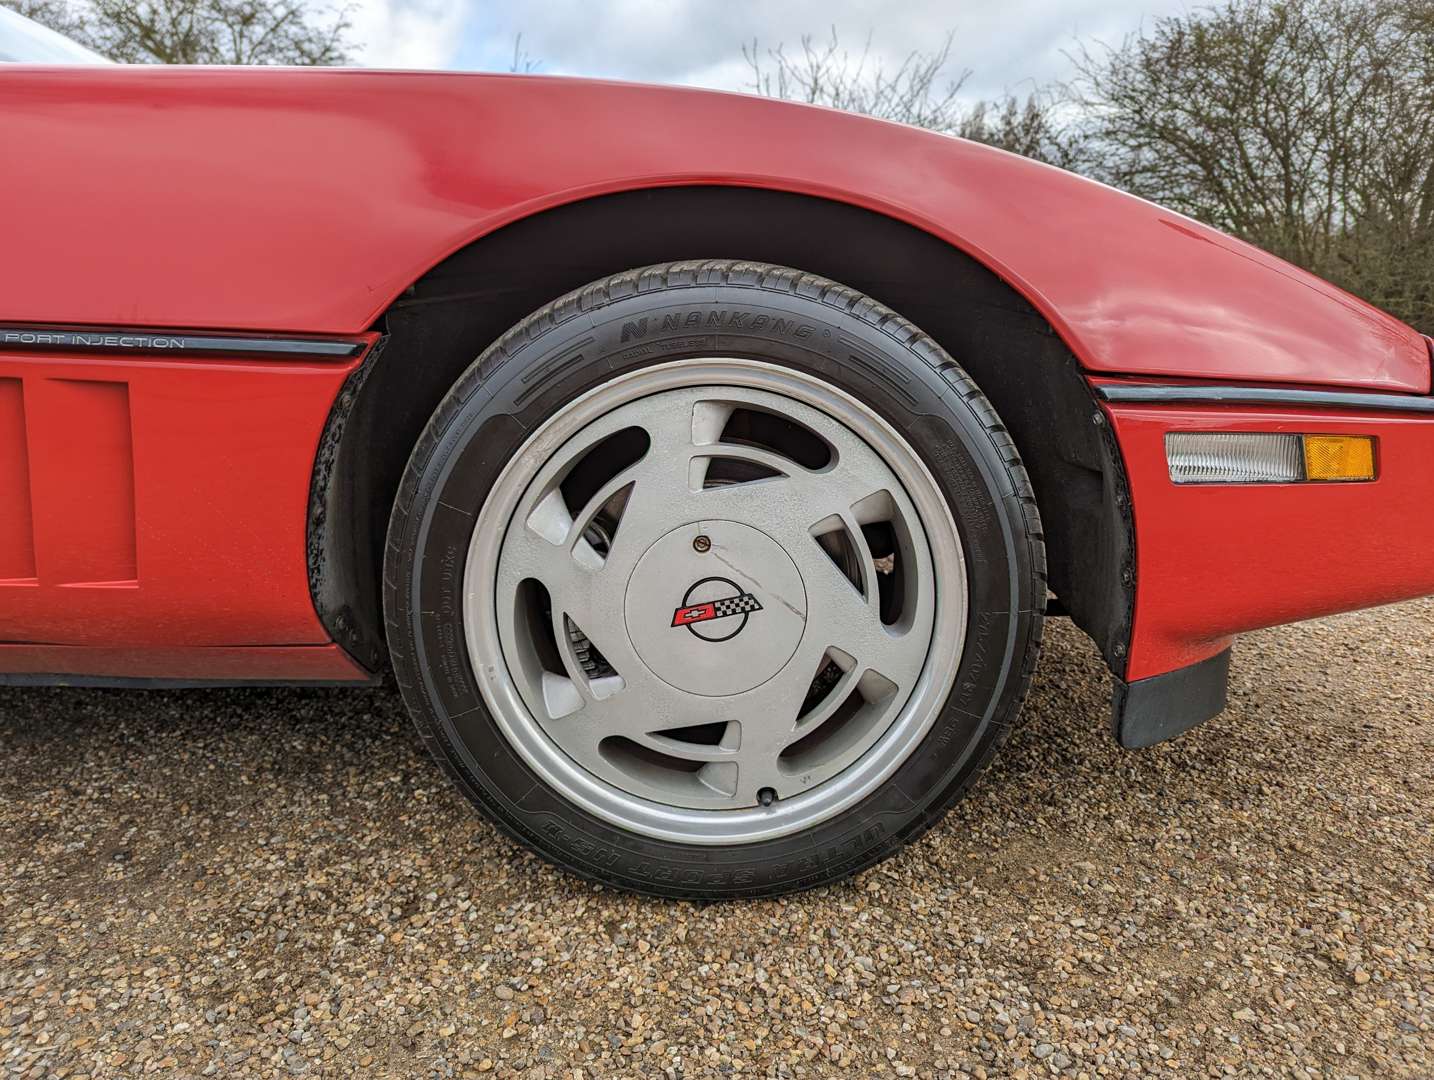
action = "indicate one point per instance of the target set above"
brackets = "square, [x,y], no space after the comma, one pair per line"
[262,883]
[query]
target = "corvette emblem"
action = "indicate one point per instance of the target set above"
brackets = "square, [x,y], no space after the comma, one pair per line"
[728,600]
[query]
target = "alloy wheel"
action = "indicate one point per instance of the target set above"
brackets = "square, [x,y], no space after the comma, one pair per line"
[715,601]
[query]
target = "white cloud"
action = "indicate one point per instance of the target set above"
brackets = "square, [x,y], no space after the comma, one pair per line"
[1008,45]
[409,33]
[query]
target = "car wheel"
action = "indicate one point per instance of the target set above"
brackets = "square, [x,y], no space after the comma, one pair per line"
[714,579]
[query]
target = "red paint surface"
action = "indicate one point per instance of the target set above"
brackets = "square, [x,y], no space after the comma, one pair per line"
[1214,561]
[17,532]
[306,201]
[166,501]
[273,663]
[294,200]
[81,453]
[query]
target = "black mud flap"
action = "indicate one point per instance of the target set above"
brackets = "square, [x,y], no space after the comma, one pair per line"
[1152,710]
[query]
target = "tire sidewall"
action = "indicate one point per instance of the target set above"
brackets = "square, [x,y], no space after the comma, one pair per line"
[519,384]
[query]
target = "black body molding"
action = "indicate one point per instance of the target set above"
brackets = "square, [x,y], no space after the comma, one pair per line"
[170,342]
[1146,394]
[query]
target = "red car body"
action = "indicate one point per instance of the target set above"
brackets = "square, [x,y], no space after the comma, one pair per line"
[156,485]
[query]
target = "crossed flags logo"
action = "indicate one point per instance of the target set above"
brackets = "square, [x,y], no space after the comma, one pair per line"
[740,604]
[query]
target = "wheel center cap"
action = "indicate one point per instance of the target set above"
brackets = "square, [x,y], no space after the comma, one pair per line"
[715,608]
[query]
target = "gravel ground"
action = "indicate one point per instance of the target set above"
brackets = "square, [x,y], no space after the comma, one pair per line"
[265,883]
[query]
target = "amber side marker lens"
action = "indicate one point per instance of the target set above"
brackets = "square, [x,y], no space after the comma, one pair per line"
[1266,457]
[1339,457]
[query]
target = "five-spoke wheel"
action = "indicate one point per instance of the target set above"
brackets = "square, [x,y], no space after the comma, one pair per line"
[715,593]
[735,608]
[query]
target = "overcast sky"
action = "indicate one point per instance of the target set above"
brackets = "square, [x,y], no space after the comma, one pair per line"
[1008,45]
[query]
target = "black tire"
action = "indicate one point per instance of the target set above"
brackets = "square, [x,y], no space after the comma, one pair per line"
[533,371]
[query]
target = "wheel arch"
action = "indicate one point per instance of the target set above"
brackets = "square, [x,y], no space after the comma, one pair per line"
[446,319]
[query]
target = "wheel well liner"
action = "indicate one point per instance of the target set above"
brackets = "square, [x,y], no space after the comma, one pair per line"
[445,320]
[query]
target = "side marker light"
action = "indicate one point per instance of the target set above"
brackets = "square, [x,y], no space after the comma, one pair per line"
[1257,457]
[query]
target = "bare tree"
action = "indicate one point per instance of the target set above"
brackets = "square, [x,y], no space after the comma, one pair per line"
[199,31]
[1304,126]
[920,91]
[522,63]
[58,15]
[923,90]
[1033,128]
